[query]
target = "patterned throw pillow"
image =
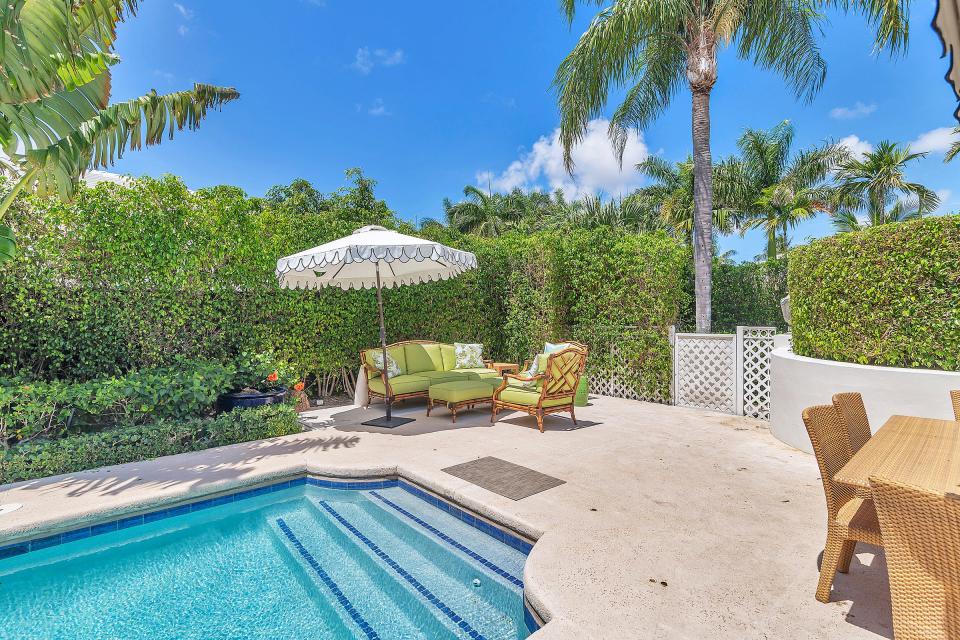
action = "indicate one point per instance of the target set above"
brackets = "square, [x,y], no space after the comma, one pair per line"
[393,369]
[549,347]
[469,356]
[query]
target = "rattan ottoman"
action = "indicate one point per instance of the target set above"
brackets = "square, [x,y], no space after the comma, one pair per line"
[461,394]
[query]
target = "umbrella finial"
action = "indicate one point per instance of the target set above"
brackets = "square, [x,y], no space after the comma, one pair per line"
[370,227]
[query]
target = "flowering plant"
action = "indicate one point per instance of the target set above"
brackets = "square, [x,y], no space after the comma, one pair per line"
[261,372]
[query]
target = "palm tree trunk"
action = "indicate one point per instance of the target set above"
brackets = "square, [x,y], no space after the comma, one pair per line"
[702,209]
[771,241]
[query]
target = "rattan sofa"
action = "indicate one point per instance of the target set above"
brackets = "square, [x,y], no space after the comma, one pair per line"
[422,363]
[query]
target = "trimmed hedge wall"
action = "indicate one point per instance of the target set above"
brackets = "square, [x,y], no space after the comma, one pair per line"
[131,444]
[888,295]
[128,278]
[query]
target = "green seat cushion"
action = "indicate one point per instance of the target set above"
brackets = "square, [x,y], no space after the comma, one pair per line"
[406,383]
[449,356]
[480,371]
[529,397]
[461,391]
[422,357]
[396,353]
[436,377]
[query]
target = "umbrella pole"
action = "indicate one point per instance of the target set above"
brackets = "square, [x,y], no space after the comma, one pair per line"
[387,421]
[383,337]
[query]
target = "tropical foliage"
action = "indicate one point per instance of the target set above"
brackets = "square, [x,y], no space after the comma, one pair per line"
[773,190]
[55,118]
[652,48]
[876,187]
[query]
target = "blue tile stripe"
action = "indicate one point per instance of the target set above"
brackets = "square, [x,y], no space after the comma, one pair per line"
[328,581]
[457,545]
[19,548]
[509,539]
[529,620]
[416,584]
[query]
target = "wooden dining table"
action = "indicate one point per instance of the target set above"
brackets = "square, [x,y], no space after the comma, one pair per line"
[923,452]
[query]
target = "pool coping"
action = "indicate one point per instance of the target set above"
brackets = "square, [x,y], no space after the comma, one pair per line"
[498,531]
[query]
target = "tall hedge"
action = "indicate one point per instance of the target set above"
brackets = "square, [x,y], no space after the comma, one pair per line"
[133,277]
[888,295]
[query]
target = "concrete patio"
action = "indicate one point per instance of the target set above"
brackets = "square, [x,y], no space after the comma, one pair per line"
[673,523]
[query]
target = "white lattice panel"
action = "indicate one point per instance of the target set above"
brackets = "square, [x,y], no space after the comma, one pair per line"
[615,384]
[756,343]
[705,372]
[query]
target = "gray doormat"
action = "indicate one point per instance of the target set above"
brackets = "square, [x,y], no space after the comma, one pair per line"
[504,478]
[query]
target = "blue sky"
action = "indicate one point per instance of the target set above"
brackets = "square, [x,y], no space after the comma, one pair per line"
[430,96]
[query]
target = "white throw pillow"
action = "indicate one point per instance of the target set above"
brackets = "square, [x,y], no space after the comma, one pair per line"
[393,369]
[468,356]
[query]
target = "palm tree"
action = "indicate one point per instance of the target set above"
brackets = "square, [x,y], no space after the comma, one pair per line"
[484,214]
[633,213]
[775,191]
[954,146]
[673,188]
[653,46]
[55,118]
[876,185]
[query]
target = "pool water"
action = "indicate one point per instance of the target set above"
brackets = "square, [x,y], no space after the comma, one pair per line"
[303,562]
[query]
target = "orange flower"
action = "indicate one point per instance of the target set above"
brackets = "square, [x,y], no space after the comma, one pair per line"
[298,386]
[273,377]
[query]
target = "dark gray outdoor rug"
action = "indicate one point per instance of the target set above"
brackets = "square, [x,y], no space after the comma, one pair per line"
[504,478]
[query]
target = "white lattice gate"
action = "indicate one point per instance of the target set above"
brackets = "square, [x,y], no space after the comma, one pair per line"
[724,372]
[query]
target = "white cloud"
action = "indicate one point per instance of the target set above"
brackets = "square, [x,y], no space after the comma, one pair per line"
[944,195]
[186,12]
[596,167]
[365,60]
[855,145]
[936,140]
[183,30]
[858,110]
[376,108]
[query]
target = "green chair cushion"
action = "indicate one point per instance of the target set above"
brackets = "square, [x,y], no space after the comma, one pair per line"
[529,397]
[461,391]
[480,371]
[406,383]
[422,357]
[449,356]
[439,377]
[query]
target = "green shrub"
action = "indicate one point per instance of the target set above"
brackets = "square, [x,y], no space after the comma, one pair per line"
[888,295]
[131,444]
[49,409]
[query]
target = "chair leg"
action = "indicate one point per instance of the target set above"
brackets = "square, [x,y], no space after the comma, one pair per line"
[573,416]
[540,420]
[454,411]
[429,406]
[493,413]
[829,565]
[846,555]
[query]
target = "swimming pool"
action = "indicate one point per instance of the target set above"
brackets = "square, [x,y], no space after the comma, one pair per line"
[290,561]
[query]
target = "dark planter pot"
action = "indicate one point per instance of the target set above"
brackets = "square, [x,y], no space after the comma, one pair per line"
[241,400]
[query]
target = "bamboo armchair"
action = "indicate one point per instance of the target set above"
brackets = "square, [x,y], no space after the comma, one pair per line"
[552,391]
[955,401]
[922,534]
[850,518]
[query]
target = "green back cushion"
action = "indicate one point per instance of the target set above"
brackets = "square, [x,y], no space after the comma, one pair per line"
[394,352]
[449,356]
[423,357]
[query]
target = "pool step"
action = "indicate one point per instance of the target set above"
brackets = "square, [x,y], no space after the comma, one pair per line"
[356,587]
[442,579]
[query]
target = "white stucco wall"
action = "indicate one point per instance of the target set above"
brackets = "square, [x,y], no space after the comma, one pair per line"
[800,382]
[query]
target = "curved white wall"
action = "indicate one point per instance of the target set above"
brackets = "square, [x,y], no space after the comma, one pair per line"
[799,382]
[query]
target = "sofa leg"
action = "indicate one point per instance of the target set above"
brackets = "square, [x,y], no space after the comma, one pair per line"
[454,411]
[429,406]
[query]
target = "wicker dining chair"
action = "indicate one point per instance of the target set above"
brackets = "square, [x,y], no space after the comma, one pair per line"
[854,415]
[955,401]
[850,518]
[922,534]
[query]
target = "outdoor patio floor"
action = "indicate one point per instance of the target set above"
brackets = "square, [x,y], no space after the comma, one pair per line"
[672,523]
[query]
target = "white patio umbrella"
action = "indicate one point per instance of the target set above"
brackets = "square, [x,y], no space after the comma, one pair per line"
[373,257]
